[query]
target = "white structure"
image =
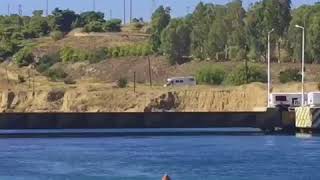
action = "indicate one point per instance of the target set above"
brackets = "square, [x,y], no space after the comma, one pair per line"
[269,68]
[302,62]
[314,99]
[181,81]
[286,99]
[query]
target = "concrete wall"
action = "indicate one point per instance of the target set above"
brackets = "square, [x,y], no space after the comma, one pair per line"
[268,119]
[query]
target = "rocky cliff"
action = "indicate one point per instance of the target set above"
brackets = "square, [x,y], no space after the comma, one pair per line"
[102,98]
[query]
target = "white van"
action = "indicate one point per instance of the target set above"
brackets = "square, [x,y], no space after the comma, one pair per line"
[286,99]
[181,81]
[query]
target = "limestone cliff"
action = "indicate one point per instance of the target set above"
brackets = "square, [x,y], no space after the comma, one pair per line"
[102,98]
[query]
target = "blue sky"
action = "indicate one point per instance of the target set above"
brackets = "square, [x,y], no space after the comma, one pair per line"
[142,8]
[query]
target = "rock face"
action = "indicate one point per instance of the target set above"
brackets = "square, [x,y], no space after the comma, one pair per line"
[55,95]
[6,100]
[166,102]
[97,98]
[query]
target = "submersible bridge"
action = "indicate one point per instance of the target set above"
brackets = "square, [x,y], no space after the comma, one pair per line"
[269,120]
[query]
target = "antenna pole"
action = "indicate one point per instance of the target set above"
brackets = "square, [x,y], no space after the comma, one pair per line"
[9,10]
[20,10]
[47,8]
[130,11]
[124,11]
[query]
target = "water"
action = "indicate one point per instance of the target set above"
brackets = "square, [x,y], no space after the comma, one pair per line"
[210,157]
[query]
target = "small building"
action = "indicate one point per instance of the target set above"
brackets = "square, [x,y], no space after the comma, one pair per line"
[286,100]
[314,99]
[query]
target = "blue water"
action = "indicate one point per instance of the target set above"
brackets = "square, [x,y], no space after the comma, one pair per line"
[211,157]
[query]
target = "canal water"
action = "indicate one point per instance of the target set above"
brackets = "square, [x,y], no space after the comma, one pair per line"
[242,156]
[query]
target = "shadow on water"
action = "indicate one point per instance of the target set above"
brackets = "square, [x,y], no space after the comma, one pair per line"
[85,133]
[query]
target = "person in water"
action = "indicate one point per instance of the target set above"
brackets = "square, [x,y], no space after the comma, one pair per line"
[166,177]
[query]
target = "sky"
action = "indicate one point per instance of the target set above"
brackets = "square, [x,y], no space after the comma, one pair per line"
[114,8]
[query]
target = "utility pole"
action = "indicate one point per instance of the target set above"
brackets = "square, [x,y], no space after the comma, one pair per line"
[152,8]
[150,73]
[9,10]
[303,63]
[124,11]
[110,13]
[47,8]
[94,5]
[20,10]
[130,11]
[188,9]
[269,68]
[134,82]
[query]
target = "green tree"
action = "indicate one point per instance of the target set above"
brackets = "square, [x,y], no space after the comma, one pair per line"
[175,41]
[211,75]
[63,19]
[91,16]
[314,37]
[159,21]
[200,28]
[264,16]
[113,25]
[38,25]
[235,23]
[243,75]
[94,26]
[24,56]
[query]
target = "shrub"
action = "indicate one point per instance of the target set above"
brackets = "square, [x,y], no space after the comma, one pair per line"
[98,55]
[115,52]
[220,56]
[7,49]
[24,57]
[143,49]
[211,75]
[122,82]
[113,25]
[242,75]
[138,25]
[290,75]
[56,74]
[68,54]
[47,61]
[69,81]
[233,51]
[284,56]
[94,26]
[21,79]
[253,55]
[56,35]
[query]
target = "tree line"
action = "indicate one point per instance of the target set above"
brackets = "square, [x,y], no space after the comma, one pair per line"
[17,31]
[230,32]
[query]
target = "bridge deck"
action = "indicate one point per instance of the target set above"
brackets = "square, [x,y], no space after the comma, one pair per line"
[269,119]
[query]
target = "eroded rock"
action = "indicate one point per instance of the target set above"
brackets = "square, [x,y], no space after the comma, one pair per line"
[55,95]
[166,102]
